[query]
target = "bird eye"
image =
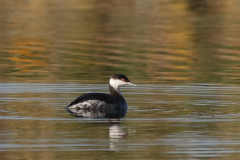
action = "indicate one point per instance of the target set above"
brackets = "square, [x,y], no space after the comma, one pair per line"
[123,80]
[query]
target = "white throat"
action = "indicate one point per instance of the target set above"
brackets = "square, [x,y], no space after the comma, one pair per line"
[116,83]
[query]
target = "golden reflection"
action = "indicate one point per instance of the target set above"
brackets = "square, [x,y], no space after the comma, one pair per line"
[25,52]
[156,42]
[31,63]
[181,42]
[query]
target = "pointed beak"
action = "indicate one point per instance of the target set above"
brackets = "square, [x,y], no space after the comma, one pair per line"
[131,84]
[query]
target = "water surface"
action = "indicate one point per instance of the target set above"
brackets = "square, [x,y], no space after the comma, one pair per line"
[188,121]
[154,41]
[184,57]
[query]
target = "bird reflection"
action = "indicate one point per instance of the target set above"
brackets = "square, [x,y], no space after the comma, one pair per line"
[116,133]
[114,129]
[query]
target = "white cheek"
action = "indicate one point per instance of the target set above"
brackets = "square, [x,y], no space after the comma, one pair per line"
[116,83]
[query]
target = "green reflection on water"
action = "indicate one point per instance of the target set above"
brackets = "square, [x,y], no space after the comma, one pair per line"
[152,42]
[170,42]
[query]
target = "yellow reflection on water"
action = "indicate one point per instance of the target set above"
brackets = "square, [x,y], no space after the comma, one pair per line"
[168,42]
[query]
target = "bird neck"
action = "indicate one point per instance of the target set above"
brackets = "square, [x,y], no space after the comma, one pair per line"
[115,91]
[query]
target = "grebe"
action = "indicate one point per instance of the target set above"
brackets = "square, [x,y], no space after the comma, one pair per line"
[105,103]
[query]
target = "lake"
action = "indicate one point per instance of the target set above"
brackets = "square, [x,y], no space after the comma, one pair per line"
[184,57]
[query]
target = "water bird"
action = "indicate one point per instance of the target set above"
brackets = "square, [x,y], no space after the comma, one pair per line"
[99,105]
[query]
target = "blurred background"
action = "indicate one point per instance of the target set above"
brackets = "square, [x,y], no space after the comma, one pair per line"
[153,42]
[184,56]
